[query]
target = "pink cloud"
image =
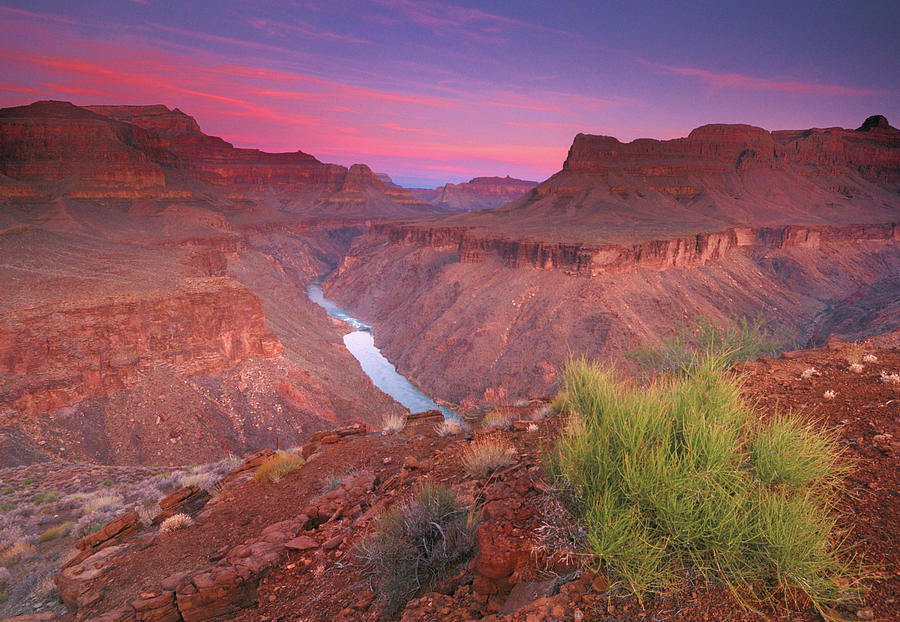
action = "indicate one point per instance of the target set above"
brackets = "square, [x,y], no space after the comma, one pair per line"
[740,81]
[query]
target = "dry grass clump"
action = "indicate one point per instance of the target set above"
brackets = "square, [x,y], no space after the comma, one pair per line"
[393,423]
[680,478]
[56,532]
[415,543]
[175,522]
[488,454]
[100,502]
[14,553]
[277,467]
[854,353]
[449,427]
[497,419]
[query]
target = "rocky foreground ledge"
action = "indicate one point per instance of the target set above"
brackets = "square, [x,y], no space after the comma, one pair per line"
[286,550]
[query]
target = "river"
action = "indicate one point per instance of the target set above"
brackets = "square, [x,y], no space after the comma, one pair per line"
[361,344]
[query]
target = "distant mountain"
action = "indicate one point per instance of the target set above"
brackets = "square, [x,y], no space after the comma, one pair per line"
[476,194]
[58,150]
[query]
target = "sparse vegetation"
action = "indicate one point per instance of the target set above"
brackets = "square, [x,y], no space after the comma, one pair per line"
[175,522]
[854,353]
[448,427]
[487,454]
[393,423]
[809,372]
[691,343]
[56,532]
[15,552]
[276,467]
[679,476]
[100,502]
[41,498]
[415,543]
[497,419]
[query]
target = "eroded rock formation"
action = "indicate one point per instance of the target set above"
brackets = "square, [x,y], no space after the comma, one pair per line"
[629,239]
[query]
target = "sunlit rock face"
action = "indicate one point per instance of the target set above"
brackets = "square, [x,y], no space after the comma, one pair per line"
[627,240]
[153,282]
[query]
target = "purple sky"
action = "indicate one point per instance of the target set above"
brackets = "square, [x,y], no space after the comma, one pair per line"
[431,92]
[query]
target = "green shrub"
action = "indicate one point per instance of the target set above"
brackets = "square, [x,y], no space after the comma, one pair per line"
[680,476]
[41,498]
[415,543]
[689,343]
[7,506]
[277,467]
[789,451]
[56,532]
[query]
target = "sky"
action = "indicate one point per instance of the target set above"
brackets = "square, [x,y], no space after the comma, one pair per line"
[434,91]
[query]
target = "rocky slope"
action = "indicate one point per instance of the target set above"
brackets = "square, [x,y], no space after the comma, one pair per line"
[154,304]
[478,193]
[629,239]
[259,550]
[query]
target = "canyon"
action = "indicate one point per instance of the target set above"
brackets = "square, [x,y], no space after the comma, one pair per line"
[628,240]
[152,268]
[154,306]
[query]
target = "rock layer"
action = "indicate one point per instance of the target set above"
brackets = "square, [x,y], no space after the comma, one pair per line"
[730,221]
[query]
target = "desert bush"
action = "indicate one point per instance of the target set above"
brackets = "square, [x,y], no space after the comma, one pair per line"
[497,419]
[448,427]
[680,476]
[15,552]
[170,481]
[277,467]
[56,532]
[415,543]
[487,454]
[691,343]
[393,423]
[201,479]
[787,450]
[175,522]
[854,353]
[96,502]
[41,498]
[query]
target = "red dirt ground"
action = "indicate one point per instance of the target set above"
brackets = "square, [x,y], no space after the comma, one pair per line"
[517,507]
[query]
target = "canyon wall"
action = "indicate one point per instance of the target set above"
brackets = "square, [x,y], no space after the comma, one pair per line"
[154,305]
[627,241]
